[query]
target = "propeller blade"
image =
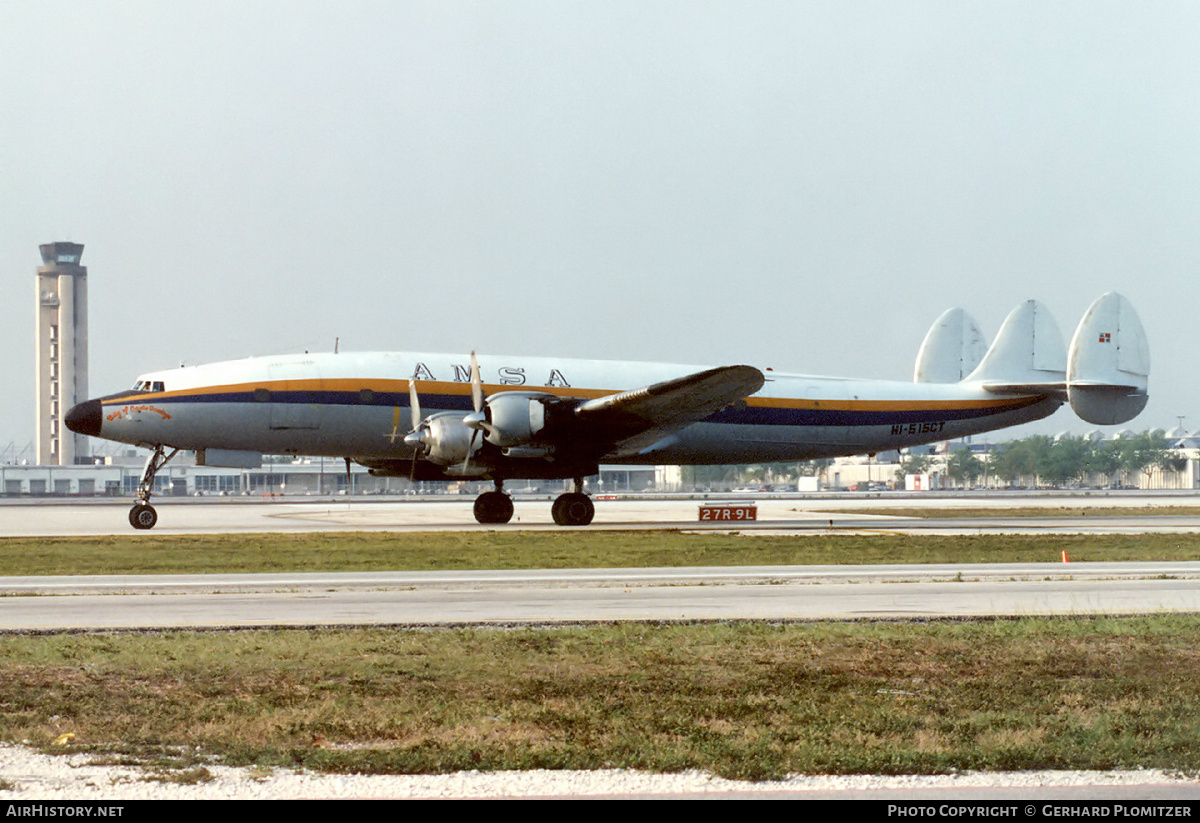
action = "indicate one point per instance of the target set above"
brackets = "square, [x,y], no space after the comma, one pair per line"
[466,464]
[414,404]
[476,385]
[413,441]
[413,438]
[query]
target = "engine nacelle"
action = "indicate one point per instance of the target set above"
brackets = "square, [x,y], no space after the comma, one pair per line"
[514,418]
[447,440]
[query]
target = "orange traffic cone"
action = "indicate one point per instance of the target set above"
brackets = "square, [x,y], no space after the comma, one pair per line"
[1065,558]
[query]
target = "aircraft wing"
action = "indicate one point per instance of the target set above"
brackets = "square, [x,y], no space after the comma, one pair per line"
[634,419]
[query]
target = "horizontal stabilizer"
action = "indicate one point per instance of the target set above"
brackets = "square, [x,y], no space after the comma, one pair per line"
[1027,356]
[952,349]
[1108,367]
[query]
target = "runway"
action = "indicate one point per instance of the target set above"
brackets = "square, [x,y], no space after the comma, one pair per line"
[777,514]
[581,596]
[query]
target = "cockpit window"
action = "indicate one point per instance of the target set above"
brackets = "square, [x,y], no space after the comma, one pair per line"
[148,386]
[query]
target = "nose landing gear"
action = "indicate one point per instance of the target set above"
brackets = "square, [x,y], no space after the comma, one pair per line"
[143,515]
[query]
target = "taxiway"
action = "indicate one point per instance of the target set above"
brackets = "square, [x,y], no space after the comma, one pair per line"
[587,596]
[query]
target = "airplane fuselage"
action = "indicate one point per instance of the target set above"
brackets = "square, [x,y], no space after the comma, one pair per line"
[358,405]
[432,416]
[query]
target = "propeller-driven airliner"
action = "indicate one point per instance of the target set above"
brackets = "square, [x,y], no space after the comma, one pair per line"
[438,417]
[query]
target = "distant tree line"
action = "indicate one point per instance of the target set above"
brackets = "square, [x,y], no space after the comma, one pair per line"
[1049,461]
[1038,460]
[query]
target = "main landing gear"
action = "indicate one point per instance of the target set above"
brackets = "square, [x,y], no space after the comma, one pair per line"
[571,509]
[494,507]
[143,515]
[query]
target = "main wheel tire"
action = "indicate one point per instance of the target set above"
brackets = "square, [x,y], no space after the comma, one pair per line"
[493,507]
[143,516]
[573,509]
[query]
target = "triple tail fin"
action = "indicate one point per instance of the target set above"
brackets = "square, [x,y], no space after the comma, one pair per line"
[951,350]
[1027,357]
[1108,369]
[1104,375]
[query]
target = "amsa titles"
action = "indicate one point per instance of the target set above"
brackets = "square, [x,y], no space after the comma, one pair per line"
[507,376]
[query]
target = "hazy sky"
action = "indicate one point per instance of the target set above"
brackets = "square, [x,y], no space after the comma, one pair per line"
[803,185]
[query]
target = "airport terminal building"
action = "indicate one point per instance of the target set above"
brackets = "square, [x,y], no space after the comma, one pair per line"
[118,476]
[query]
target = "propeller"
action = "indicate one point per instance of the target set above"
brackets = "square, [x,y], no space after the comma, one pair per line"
[424,438]
[477,420]
[414,403]
[476,385]
[413,438]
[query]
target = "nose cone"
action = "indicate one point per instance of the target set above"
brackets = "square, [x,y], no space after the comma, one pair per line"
[85,417]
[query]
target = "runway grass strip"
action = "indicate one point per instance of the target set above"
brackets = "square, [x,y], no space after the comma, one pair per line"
[1050,512]
[438,551]
[740,700]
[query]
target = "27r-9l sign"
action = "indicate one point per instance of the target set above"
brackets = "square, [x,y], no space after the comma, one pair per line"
[729,512]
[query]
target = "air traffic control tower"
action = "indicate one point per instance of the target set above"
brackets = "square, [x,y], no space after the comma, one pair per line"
[61,351]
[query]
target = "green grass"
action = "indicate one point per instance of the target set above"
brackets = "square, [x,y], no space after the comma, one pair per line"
[742,700]
[992,513]
[509,549]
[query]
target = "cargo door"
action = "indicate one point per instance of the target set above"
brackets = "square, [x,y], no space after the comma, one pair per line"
[295,396]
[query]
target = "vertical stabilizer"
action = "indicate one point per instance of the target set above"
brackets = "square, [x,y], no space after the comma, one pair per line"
[952,349]
[1108,367]
[1028,350]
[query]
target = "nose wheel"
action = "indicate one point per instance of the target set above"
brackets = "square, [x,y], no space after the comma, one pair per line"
[143,515]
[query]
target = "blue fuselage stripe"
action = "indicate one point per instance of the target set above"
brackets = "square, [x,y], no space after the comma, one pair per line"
[759,414]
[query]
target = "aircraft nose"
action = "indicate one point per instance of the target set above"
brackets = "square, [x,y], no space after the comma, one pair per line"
[85,417]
